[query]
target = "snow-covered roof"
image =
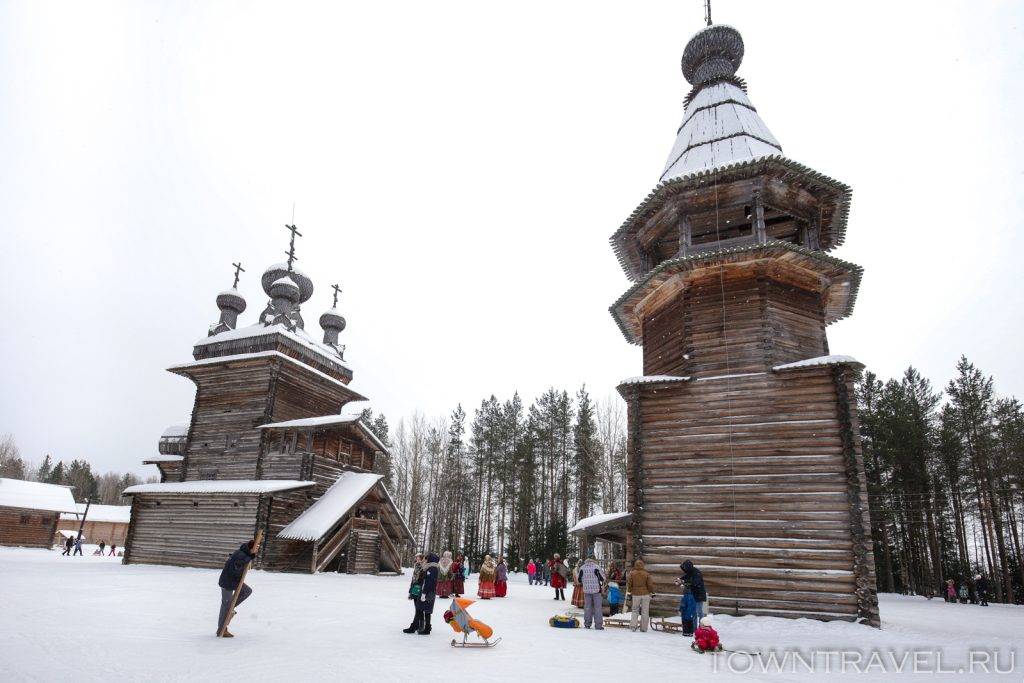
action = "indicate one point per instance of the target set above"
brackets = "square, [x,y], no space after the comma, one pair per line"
[221,486]
[119,514]
[286,282]
[217,360]
[653,379]
[175,432]
[33,495]
[162,457]
[589,522]
[720,127]
[298,335]
[327,421]
[819,361]
[336,502]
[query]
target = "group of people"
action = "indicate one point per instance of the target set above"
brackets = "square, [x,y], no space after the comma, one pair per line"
[73,546]
[963,594]
[442,577]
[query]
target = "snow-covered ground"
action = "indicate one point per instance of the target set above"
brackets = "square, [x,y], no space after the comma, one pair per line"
[90,618]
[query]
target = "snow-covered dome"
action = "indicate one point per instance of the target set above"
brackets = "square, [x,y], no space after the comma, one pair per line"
[280,270]
[284,288]
[231,299]
[332,320]
[715,52]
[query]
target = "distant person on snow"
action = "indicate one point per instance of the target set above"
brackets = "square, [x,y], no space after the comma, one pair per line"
[230,577]
[501,579]
[78,546]
[428,591]
[965,595]
[103,546]
[69,543]
[558,572]
[981,584]
[113,550]
[950,591]
[531,571]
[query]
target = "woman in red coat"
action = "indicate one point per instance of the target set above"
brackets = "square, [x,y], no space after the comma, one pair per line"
[558,573]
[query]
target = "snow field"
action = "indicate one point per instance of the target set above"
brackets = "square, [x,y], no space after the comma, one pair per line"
[92,618]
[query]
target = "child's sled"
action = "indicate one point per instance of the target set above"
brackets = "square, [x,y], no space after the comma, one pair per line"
[461,622]
[563,621]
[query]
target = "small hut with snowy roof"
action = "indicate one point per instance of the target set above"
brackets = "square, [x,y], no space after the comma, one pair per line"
[268,449]
[743,450]
[30,510]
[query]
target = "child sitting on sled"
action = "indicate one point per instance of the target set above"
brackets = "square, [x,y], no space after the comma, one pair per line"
[705,639]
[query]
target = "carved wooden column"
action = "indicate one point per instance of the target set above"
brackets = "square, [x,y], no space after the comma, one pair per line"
[685,235]
[759,228]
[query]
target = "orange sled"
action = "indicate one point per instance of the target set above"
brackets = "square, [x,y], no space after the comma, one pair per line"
[462,622]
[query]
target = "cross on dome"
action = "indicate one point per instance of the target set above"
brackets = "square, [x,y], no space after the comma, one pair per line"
[292,258]
[337,291]
[238,269]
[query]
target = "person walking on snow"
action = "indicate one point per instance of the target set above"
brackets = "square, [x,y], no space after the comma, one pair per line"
[640,585]
[415,587]
[428,591]
[531,571]
[113,550]
[69,543]
[488,573]
[103,546]
[545,571]
[558,574]
[501,579]
[981,585]
[592,580]
[230,577]
[78,546]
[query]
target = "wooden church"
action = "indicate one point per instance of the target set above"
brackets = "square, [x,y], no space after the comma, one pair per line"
[267,448]
[743,450]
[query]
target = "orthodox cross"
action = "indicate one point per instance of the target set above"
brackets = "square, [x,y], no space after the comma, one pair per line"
[707,11]
[337,291]
[291,246]
[238,269]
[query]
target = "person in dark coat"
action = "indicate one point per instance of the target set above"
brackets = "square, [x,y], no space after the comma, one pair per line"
[425,602]
[69,543]
[694,580]
[103,546]
[230,577]
[415,586]
[981,585]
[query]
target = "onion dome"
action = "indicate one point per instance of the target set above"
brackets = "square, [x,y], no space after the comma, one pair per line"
[280,270]
[716,52]
[332,320]
[231,300]
[284,288]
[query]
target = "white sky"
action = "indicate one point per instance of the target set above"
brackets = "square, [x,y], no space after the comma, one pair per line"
[459,167]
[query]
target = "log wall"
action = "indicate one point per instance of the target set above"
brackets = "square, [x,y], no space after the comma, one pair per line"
[27,528]
[750,478]
[186,530]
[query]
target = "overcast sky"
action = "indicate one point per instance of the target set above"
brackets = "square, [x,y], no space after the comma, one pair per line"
[458,167]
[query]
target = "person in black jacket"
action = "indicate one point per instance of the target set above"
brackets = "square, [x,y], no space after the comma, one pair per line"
[981,586]
[694,580]
[230,577]
[428,591]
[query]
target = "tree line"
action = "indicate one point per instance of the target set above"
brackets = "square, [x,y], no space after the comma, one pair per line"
[945,476]
[511,479]
[103,489]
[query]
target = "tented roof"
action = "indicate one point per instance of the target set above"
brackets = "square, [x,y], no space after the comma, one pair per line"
[33,495]
[720,127]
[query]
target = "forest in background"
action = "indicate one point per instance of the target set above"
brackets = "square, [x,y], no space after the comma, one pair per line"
[944,469]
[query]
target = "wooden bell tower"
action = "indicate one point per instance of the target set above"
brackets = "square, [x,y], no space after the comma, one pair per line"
[743,448]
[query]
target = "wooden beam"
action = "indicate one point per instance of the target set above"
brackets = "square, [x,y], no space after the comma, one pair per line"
[685,235]
[759,227]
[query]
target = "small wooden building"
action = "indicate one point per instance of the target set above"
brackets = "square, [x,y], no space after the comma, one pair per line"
[107,523]
[29,512]
[268,449]
[743,451]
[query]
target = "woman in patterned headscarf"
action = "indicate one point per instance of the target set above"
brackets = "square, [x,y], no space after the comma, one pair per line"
[488,574]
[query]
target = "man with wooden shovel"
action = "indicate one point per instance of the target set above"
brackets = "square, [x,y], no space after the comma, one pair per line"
[233,590]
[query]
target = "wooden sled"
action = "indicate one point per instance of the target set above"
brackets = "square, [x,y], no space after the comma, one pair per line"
[668,624]
[617,621]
